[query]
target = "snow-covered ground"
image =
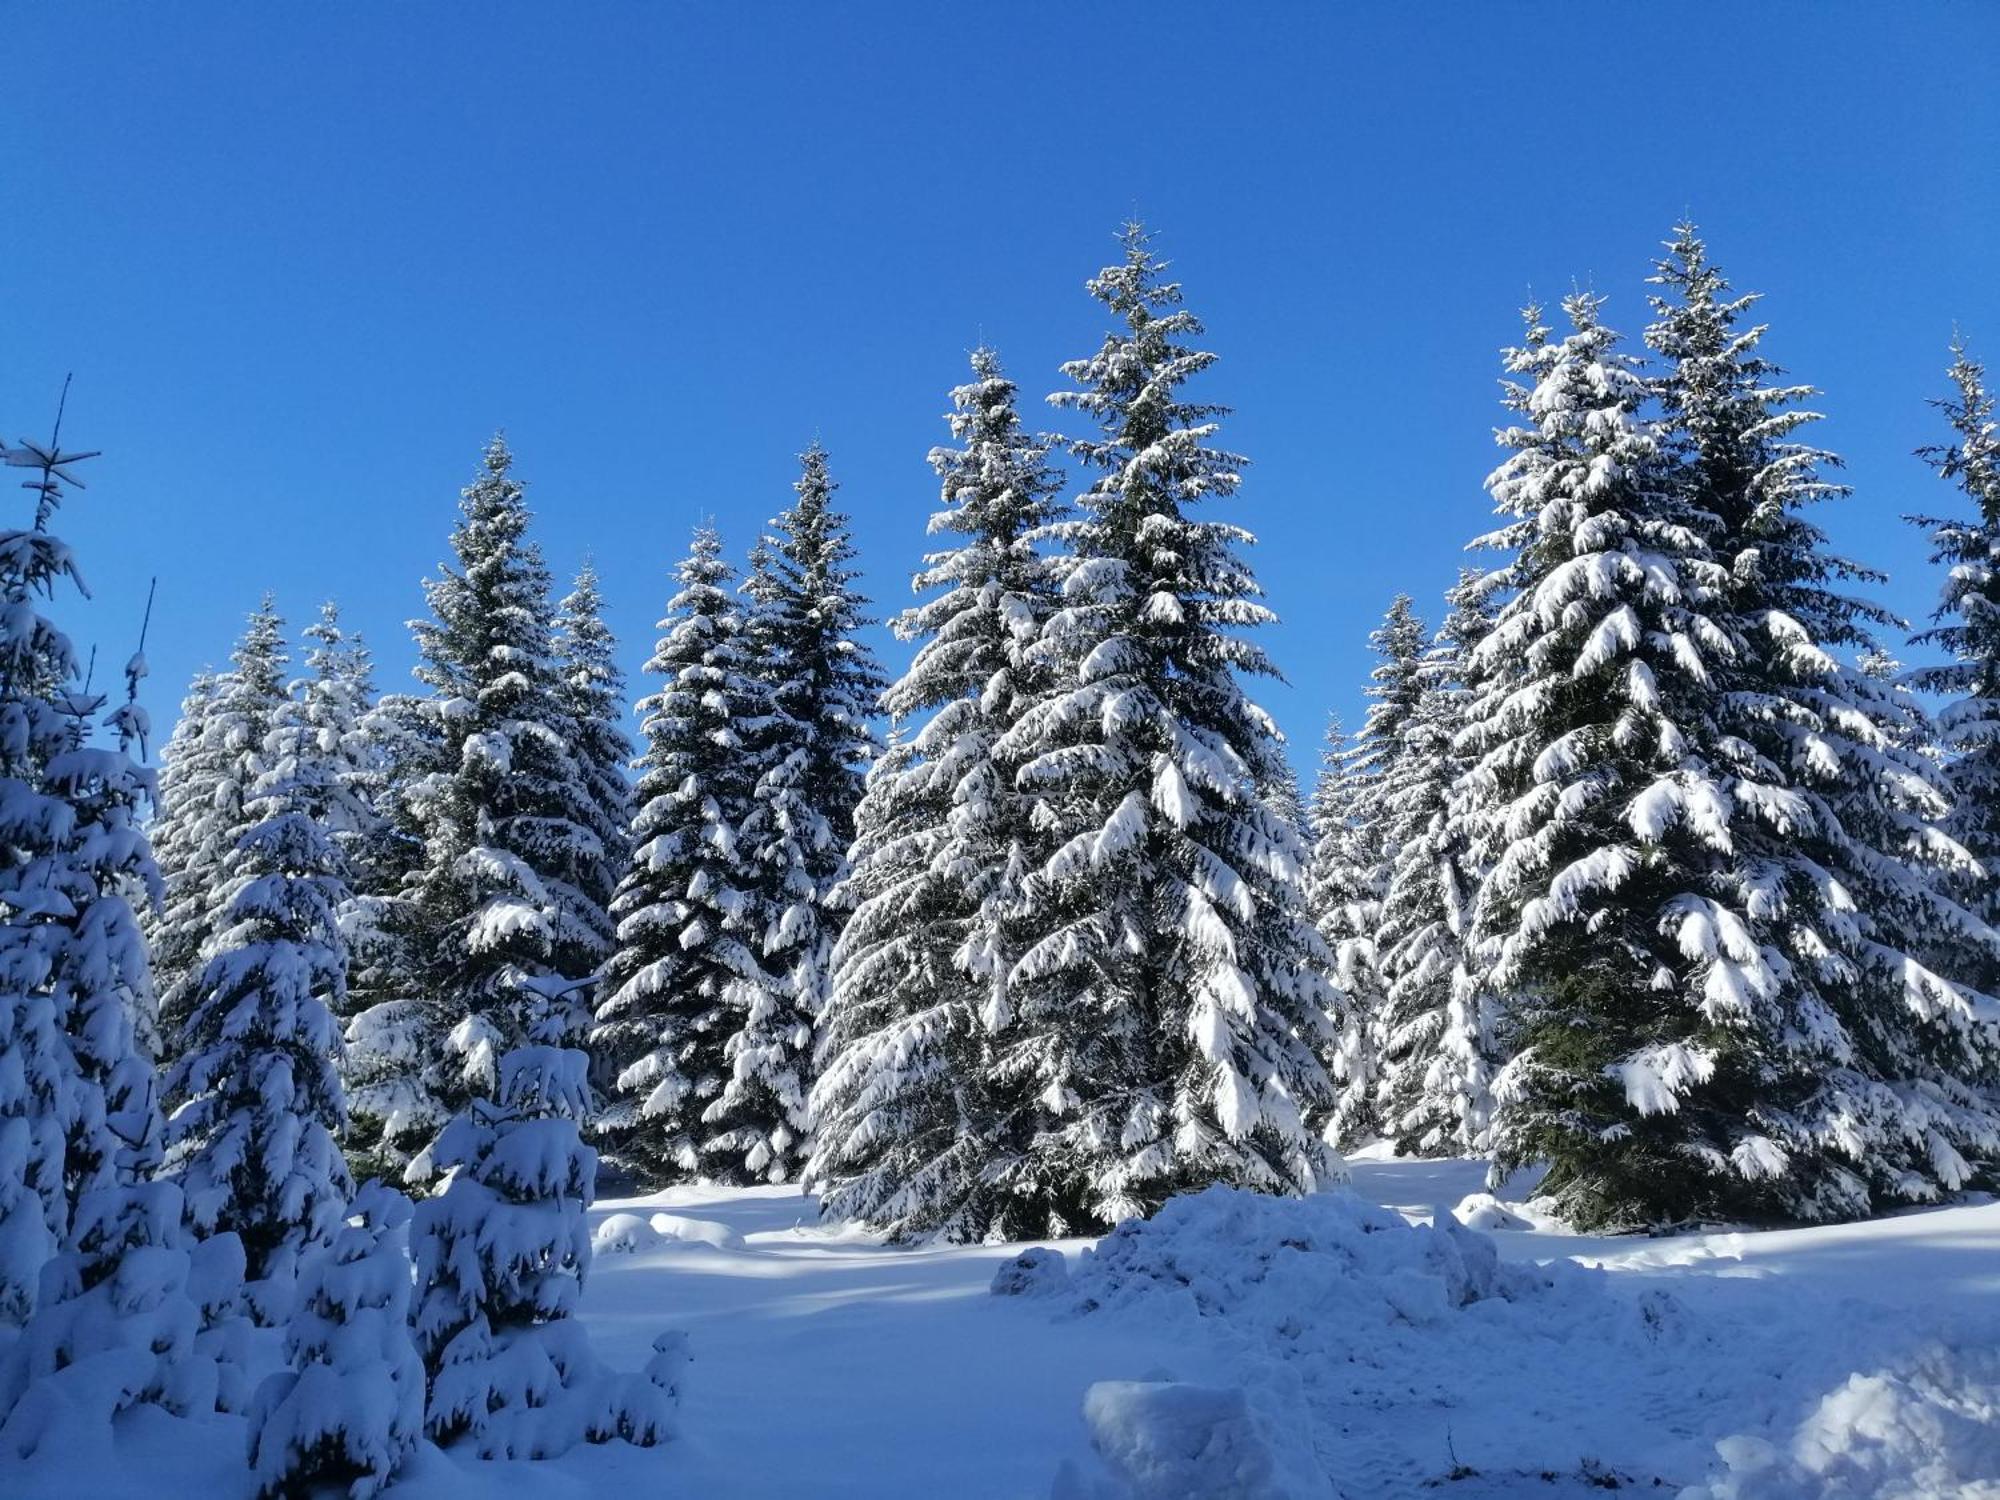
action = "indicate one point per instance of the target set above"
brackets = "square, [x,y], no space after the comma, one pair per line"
[1241,1347]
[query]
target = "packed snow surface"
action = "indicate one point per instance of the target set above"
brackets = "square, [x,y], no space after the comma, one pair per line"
[1355,1344]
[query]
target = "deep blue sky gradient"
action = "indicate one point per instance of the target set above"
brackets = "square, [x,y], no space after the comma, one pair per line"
[303,261]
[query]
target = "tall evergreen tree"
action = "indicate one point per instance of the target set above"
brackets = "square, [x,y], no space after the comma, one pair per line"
[1874,1062]
[399,749]
[257,1131]
[101,978]
[591,691]
[1341,897]
[688,964]
[757,1128]
[189,843]
[1621,955]
[923,1116]
[1968,629]
[79,1113]
[1715,844]
[1176,990]
[387,1024]
[1395,694]
[1352,863]
[42,1092]
[493,900]
[805,624]
[332,702]
[1437,1030]
[210,812]
[810,754]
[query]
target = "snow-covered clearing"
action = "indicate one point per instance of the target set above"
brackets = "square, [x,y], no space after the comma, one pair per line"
[1313,1350]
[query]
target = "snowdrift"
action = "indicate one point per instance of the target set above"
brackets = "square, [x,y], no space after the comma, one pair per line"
[1335,1349]
[1328,1266]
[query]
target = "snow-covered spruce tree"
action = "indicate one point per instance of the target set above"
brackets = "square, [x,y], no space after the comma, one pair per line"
[389,746]
[810,753]
[102,983]
[591,691]
[1173,987]
[109,1322]
[370,762]
[39,1089]
[689,925]
[756,1129]
[589,805]
[1349,873]
[189,843]
[501,1255]
[1434,1094]
[351,1407]
[1876,1056]
[923,1119]
[805,621]
[1968,630]
[118,1326]
[210,812]
[1625,954]
[493,900]
[1341,897]
[1396,695]
[388,1025]
[332,703]
[256,1137]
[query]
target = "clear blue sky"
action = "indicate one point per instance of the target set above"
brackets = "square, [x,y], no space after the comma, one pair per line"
[304,260]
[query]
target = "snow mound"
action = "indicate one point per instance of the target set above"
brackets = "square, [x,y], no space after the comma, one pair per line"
[1412,1358]
[621,1234]
[1398,1349]
[1032,1273]
[626,1234]
[1324,1263]
[1167,1441]
[1926,1429]
[1485,1212]
[696,1231]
